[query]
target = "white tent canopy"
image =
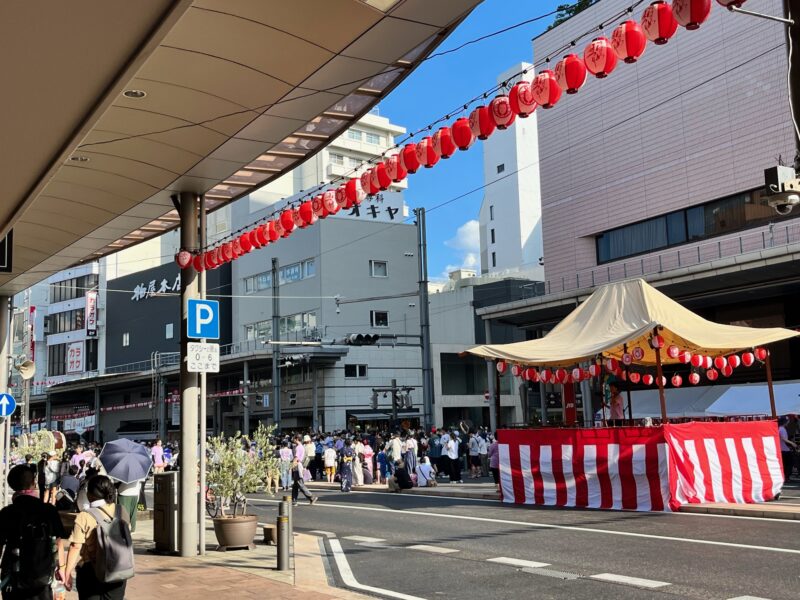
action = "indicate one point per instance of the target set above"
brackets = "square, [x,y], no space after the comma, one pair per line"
[754,400]
[681,402]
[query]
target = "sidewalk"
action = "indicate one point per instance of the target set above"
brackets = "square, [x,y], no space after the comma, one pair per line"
[475,491]
[230,575]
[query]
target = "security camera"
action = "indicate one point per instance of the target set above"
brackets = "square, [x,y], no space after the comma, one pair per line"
[783,203]
[782,188]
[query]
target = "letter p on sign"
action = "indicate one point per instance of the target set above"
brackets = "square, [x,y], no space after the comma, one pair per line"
[203,319]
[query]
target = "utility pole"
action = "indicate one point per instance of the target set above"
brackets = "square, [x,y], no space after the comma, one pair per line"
[424,319]
[276,348]
[246,398]
[5,438]
[201,497]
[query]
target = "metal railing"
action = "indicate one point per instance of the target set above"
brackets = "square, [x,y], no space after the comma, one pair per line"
[669,260]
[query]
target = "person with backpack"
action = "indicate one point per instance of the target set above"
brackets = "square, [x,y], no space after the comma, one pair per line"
[31,539]
[101,546]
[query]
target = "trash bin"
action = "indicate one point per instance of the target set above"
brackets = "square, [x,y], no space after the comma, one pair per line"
[165,512]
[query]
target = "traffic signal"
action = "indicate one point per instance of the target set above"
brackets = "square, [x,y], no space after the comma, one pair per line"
[361,339]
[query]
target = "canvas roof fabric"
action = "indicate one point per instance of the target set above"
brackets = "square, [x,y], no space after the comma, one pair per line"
[625,314]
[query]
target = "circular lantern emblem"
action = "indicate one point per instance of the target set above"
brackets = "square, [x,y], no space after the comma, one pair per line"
[748,358]
[694,378]
[183,258]
[546,91]
[635,377]
[318,207]
[691,13]
[481,123]
[677,380]
[658,22]
[570,73]
[627,359]
[629,41]
[599,57]
[500,107]
[341,196]
[638,353]
[521,99]
[462,133]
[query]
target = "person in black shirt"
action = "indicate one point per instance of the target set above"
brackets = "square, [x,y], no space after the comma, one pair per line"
[401,480]
[29,528]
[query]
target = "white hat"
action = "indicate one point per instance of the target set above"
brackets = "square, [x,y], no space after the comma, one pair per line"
[52,453]
[306,438]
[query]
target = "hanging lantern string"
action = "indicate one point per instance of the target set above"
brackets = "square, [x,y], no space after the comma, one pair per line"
[315,190]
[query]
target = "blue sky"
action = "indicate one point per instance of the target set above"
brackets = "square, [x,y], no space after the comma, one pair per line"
[436,87]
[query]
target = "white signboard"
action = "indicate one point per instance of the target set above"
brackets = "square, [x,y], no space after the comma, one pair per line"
[175,417]
[203,358]
[91,314]
[88,421]
[75,357]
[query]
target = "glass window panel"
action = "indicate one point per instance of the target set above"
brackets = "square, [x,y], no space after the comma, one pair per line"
[374,138]
[676,228]
[362,370]
[350,371]
[309,268]
[354,134]
[379,268]
[695,222]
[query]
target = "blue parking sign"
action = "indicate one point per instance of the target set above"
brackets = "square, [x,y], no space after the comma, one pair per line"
[202,320]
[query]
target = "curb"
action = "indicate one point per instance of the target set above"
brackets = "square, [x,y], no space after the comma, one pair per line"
[750,510]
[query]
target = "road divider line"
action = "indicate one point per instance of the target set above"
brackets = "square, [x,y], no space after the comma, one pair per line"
[518,562]
[748,598]
[534,525]
[433,549]
[350,580]
[635,581]
[361,538]
[321,532]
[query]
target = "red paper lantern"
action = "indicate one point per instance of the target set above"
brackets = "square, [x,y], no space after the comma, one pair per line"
[599,57]
[663,381]
[629,41]
[594,370]
[720,362]
[697,360]
[198,263]
[245,243]
[298,220]
[638,353]
[329,202]
[306,212]
[462,133]
[287,221]
[748,358]
[685,357]
[656,341]
[708,362]
[712,374]
[227,251]
[561,375]
[367,184]
[355,193]
[381,177]
[727,370]
[612,364]
[272,231]
[254,240]
[734,361]
[694,378]
[219,256]
[341,196]
[627,359]
[577,374]
[545,375]
[481,123]
[658,22]
[635,377]
[677,380]
[571,73]
[521,99]
[426,153]
[532,375]
[516,370]
[500,108]
[691,13]
[673,351]
[647,379]
[211,259]
[443,142]
[183,258]
[279,229]
[546,90]
[409,157]
[318,207]
[761,354]
[502,366]
[237,248]
[395,169]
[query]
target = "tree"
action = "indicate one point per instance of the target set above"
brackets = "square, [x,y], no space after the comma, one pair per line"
[567,11]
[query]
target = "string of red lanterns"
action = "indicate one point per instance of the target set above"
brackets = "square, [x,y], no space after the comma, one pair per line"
[658,23]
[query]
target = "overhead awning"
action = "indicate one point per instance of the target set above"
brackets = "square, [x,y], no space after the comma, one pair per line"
[111,106]
[625,314]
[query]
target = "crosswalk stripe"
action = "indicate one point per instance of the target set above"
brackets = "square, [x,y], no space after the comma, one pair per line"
[518,562]
[361,538]
[637,581]
[433,549]
[321,532]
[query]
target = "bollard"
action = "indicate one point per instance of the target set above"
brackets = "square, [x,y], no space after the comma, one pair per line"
[283,543]
[288,501]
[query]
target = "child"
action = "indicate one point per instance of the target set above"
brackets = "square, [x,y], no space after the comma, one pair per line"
[382,465]
[329,457]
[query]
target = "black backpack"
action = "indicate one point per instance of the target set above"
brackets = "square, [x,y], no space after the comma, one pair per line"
[29,561]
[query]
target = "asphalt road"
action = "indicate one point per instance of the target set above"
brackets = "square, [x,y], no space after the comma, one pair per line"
[412,547]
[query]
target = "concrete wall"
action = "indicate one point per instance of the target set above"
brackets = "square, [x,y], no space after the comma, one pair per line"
[627,147]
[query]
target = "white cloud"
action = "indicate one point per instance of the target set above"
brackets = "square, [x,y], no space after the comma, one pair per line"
[467,243]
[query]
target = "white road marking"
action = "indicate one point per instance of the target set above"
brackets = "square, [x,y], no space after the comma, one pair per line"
[361,538]
[518,562]
[748,598]
[636,581]
[649,536]
[434,549]
[350,580]
[321,532]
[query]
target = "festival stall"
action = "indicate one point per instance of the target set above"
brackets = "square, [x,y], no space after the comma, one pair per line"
[629,330]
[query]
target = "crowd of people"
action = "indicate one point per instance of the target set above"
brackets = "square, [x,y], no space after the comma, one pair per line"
[400,460]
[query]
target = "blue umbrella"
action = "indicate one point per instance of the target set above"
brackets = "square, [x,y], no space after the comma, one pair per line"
[125,461]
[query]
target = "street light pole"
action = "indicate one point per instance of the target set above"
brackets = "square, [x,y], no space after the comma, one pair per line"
[424,319]
[276,348]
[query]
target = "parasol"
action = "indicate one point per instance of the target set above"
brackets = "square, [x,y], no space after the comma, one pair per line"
[125,461]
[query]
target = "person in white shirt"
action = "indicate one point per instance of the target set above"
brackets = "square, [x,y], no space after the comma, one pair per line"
[426,476]
[358,474]
[483,454]
[329,458]
[455,464]
[474,456]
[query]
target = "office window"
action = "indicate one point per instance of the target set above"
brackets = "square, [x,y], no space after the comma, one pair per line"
[290,273]
[355,371]
[258,331]
[336,159]
[354,134]
[126,340]
[354,162]
[91,355]
[374,138]
[501,168]
[492,232]
[168,333]
[491,212]
[309,268]
[379,318]
[494,259]
[57,359]
[378,268]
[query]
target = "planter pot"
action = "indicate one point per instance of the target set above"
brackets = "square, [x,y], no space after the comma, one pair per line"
[236,532]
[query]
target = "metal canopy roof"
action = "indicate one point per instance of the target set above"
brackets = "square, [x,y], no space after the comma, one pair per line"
[236,93]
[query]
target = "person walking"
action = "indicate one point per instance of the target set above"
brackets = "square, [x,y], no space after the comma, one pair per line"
[52,477]
[285,458]
[157,453]
[394,451]
[410,454]
[787,448]
[27,528]
[346,468]
[297,470]
[494,462]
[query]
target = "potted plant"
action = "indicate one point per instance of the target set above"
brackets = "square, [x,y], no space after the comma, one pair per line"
[234,469]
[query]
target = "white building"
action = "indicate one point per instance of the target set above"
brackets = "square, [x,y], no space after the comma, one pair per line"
[511,212]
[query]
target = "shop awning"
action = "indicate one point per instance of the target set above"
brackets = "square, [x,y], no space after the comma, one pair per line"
[625,314]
